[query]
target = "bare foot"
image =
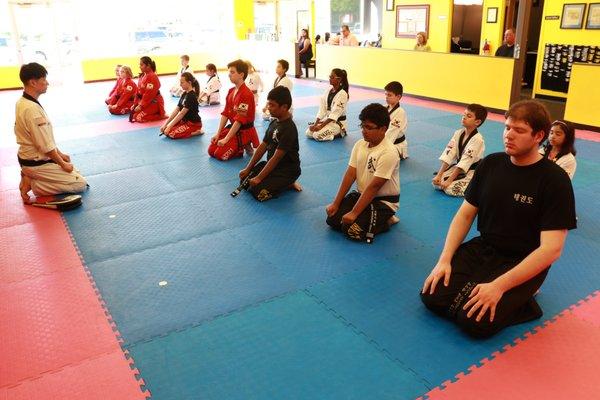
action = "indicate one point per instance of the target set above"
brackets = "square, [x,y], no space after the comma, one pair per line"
[24,188]
[393,220]
[296,186]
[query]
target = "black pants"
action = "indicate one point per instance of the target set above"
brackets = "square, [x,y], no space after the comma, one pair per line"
[359,229]
[272,185]
[473,263]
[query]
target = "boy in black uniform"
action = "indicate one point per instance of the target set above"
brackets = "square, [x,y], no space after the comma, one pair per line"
[524,205]
[282,168]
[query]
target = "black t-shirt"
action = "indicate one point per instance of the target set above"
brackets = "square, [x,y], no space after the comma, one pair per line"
[505,51]
[517,203]
[189,100]
[284,135]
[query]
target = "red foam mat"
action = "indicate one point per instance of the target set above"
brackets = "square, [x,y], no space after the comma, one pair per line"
[559,361]
[94,379]
[14,212]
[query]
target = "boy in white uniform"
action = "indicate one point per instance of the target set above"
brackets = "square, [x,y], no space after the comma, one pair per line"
[281,80]
[45,170]
[176,90]
[398,123]
[462,154]
[210,95]
[374,165]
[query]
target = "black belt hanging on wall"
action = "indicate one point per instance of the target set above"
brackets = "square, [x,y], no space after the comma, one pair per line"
[558,62]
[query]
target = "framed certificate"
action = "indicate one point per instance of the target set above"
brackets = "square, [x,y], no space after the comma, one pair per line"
[412,19]
[492,15]
[593,17]
[572,16]
[389,5]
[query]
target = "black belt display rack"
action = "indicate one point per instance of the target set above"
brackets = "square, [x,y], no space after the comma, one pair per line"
[558,62]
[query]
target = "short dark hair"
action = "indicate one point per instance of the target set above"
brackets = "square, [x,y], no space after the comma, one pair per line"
[32,71]
[345,27]
[185,57]
[211,67]
[240,66]
[394,87]
[568,145]
[533,113]
[375,113]
[281,95]
[480,112]
[284,64]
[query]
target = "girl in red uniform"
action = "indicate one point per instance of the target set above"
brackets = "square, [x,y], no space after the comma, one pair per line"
[184,121]
[121,103]
[113,91]
[149,104]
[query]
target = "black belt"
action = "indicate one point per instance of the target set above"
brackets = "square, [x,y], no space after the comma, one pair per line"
[34,163]
[400,139]
[389,199]
[342,118]
[243,126]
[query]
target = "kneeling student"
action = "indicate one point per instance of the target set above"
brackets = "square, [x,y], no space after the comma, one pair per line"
[462,154]
[374,165]
[282,168]
[184,121]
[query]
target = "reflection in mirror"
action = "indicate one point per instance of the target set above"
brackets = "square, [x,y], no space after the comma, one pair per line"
[466,26]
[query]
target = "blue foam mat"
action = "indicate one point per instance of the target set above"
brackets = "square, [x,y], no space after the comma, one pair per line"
[288,348]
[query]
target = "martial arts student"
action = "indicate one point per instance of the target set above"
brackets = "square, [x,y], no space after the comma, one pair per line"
[149,104]
[281,80]
[331,118]
[462,153]
[230,141]
[254,82]
[45,170]
[113,91]
[396,132]
[374,165]
[561,146]
[524,206]
[121,103]
[176,90]
[282,168]
[210,95]
[185,121]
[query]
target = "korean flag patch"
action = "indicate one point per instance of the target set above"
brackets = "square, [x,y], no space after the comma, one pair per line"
[150,86]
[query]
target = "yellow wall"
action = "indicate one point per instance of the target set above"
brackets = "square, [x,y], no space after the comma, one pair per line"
[9,78]
[463,78]
[551,33]
[440,26]
[584,95]
[243,13]
[493,32]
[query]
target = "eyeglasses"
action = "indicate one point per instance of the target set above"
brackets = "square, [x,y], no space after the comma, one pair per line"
[334,77]
[367,127]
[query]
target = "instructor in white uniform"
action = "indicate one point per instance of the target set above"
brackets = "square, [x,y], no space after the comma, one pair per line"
[45,170]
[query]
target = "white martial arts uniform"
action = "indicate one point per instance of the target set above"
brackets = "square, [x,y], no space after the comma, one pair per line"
[212,91]
[566,162]
[280,81]
[255,84]
[397,130]
[334,108]
[464,155]
[176,90]
[36,138]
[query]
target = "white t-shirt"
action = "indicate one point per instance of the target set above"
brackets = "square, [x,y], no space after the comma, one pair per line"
[381,161]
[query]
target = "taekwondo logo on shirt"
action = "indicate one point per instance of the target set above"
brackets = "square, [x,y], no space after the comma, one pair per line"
[396,123]
[274,135]
[521,198]
[371,165]
[150,86]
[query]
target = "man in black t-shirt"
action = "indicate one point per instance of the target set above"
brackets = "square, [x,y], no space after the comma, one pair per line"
[508,47]
[524,206]
[282,168]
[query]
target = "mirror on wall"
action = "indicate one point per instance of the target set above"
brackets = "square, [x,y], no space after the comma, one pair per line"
[466,26]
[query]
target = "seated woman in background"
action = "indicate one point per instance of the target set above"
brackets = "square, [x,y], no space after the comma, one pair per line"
[184,121]
[331,118]
[122,101]
[210,95]
[149,104]
[304,47]
[561,146]
[422,42]
[113,91]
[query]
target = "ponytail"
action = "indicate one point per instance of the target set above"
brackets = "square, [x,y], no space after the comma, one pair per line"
[192,79]
[153,65]
[344,82]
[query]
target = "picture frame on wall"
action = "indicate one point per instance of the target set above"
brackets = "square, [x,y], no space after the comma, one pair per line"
[412,19]
[593,16]
[492,15]
[572,16]
[389,5]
